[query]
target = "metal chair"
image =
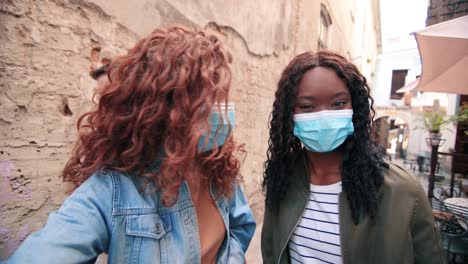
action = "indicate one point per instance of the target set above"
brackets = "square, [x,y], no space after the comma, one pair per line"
[454,232]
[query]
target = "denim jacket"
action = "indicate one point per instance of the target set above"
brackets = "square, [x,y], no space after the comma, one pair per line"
[109,213]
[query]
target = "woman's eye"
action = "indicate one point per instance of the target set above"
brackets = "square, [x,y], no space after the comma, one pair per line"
[306,107]
[339,103]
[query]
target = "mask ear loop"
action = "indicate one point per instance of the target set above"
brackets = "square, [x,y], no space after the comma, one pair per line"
[229,107]
[220,117]
[225,109]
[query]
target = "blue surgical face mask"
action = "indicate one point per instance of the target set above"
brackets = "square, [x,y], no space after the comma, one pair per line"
[323,131]
[221,126]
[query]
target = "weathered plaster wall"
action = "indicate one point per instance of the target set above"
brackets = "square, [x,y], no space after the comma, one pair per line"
[268,30]
[45,86]
[44,64]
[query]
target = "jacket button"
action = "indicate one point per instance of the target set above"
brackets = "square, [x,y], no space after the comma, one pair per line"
[158,228]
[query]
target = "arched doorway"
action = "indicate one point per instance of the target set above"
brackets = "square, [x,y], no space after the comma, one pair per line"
[391,133]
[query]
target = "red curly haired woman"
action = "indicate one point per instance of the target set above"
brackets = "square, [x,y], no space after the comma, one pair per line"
[154,167]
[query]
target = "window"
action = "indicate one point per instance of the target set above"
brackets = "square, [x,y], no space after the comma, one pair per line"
[324,26]
[398,81]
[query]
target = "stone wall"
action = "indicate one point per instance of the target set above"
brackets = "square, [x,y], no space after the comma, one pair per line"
[45,86]
[443,10]
[45,58]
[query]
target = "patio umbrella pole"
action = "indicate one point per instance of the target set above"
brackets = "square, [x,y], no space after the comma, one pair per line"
[430,191]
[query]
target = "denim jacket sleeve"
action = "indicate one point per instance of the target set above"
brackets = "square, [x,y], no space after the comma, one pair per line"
[241,225]
[78,231]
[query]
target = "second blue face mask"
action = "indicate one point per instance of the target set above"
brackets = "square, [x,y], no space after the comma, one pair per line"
[221,126]
[323,131]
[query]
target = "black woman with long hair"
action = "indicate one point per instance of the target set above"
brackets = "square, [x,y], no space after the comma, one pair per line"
[331,196]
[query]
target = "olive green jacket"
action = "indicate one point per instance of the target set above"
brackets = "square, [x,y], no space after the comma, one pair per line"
[403,231]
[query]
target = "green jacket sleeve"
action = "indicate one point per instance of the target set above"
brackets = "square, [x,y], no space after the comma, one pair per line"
[427,243]
[267,250]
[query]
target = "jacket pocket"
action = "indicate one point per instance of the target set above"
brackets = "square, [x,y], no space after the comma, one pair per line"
[148,235]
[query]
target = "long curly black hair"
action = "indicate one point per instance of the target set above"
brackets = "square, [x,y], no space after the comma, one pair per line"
[362,163]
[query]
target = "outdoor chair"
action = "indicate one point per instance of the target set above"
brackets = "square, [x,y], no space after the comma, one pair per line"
[454,232]
[442,189]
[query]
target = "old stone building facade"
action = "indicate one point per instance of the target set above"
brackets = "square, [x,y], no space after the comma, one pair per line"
[443,10]
[48,47]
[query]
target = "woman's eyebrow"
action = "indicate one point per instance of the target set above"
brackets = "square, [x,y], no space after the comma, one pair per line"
[312,98]
[341,94]
[308,97]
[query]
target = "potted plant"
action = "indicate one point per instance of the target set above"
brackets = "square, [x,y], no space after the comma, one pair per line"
[433,122]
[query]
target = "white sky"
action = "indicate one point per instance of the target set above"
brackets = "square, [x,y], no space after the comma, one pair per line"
[398,19]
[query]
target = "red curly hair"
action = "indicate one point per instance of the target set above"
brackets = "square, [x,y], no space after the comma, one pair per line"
[155,109]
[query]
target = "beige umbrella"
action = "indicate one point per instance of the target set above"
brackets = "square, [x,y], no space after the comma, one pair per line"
[444,55]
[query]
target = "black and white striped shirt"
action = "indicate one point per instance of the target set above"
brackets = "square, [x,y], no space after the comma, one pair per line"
[316,238]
